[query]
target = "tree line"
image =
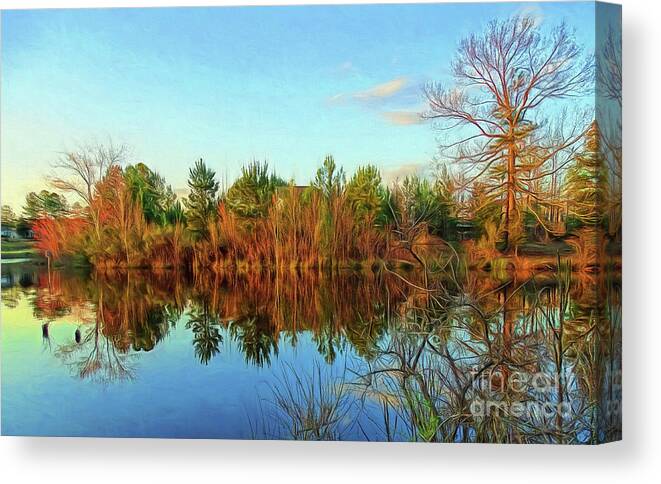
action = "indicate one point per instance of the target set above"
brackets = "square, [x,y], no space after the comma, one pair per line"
[513,170]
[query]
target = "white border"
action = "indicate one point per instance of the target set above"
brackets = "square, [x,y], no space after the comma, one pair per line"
[636,459]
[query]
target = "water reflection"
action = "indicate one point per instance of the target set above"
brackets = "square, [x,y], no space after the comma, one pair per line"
[470,357]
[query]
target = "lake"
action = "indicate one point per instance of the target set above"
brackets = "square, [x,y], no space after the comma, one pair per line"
[457,356]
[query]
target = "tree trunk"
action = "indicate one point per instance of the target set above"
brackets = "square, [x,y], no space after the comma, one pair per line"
[510,203]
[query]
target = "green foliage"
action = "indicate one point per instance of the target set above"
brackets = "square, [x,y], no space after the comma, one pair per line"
[572,223]
[330,182]
[587,181]
[150,190]
[202,200]
[251,195]
[175,213]
[255,340]
[207,336]
[329,179]
[446,219]
[428,421]
[421,202]
[418,198]
[485,210]
[45,204]
[366,194]
[9,218]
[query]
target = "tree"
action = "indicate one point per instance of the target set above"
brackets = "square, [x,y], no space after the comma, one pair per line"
[44,204]
[366,194]
[52,235]
[483,209]
[416,204]
[336,229]
[252,193]
[176,214]
[120,216]
[207,336]
[329,179]
[502,77]
[8,216]
[412,207]
[151,191]
[445,189]
[586,181]
[79,171]
[202,200]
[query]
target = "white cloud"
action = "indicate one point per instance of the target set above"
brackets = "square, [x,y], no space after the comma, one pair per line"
[387,89]
[380,91]
[403,118]
[399,172]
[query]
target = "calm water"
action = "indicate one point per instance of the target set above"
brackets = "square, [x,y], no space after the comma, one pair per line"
[360,357]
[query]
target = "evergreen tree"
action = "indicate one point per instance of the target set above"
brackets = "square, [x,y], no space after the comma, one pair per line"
[420,202]
[8,217]
[586,181]
[44,204]
[483,208]
[175,213]
[366,194]
[149,188]
[329,182]
[252,194]
[207,336]
[329,179]
[444,191]
[202,200]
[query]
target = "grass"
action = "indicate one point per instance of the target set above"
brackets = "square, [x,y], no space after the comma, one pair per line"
[19,249]
[314,405]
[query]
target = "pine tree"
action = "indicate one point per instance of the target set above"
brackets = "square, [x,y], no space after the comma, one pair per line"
[8,216]
[44,204]
[330,183]
[252,194]
[329,179]
[366,194]
[202,200]
[586,181]
[151,191]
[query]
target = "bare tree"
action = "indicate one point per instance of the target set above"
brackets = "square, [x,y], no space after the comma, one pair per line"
[79,171]
[502,76]
[609,69]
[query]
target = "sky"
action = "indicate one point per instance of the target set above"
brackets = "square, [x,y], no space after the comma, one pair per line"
[286,85]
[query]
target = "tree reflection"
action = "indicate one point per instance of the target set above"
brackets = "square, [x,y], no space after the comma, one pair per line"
[530,362]
[427,355]
[206,332]
[255,339]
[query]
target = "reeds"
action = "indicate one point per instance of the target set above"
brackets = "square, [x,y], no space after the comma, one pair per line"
[314,405]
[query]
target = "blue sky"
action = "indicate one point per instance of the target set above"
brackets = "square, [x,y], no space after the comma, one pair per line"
[283,84]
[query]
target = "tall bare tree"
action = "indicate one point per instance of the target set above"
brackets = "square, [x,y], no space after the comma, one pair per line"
[78,172]
[502,77]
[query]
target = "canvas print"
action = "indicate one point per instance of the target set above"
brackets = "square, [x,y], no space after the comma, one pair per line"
[344,222]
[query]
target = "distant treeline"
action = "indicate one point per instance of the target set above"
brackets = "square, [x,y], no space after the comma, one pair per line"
[134,219]
[509,175]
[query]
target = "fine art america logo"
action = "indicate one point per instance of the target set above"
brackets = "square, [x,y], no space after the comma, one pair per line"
[532,395]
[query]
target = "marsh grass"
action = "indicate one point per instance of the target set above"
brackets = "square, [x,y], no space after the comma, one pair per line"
[314,405]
